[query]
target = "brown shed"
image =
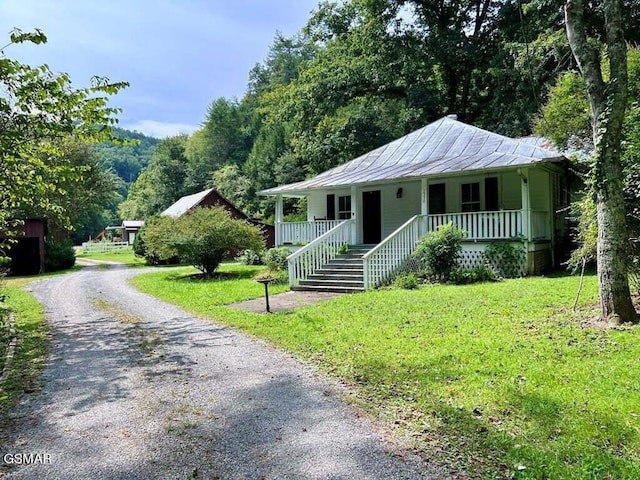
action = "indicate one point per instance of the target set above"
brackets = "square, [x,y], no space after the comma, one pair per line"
[213,198]
[27,253]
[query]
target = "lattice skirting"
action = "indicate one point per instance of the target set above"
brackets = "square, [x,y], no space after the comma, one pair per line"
[471,257]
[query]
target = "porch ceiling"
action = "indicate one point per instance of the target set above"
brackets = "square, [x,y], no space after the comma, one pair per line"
[446,146]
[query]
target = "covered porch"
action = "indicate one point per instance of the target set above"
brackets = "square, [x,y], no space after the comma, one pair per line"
[492,206]
[508,205]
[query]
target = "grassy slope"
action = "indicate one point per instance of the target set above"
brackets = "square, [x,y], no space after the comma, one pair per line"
[32,342]
[499,378]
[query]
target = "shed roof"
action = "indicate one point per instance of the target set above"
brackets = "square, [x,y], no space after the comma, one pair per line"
[442,147]
[186,203]
[132,223]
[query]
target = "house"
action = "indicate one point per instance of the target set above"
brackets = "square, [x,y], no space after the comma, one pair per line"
[128,231]
[213,198]
[494,187]
[27,253]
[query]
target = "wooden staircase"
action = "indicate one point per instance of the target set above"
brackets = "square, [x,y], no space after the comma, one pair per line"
[343,274]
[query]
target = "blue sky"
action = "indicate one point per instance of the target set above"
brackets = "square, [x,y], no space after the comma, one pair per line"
[178,55]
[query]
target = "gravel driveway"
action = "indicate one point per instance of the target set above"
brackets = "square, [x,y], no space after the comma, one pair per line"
[137,388]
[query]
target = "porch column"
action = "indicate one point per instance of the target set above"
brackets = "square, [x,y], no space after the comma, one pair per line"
[526,204]
[424,206]
[279,217]
[355,204]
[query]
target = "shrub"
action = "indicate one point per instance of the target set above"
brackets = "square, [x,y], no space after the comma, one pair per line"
[58,254]
[438,252]
[276,259]
[206,236]
[407,281]
[506,259]
[481,273]
[250,257]
[152,241]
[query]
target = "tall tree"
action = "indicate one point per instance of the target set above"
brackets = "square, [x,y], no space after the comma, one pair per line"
[608,101]
[39,108]
[160,184]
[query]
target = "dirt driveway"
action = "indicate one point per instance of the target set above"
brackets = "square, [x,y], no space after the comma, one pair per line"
[137,388]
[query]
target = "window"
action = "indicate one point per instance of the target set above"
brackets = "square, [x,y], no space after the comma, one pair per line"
[470,197]
[344,207]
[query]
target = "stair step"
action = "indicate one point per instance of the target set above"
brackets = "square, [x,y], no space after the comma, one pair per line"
[344,261]
[336,276]
[303,288]
[331,283]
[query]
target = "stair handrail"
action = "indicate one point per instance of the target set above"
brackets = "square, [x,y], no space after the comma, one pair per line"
[318,252]
[382,260]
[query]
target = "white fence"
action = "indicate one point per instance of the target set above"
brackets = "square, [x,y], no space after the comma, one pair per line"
[380,263]
[102,247]
[298,233]
[317,253]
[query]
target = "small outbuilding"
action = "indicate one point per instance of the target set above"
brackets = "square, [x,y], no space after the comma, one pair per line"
[27,253]
[213,198]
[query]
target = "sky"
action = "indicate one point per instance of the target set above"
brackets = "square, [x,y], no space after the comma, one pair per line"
[177,55]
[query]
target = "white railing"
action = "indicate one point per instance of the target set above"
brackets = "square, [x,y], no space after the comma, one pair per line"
[317,253]
[92,247]
[297,233]
[540,227]
[503,224]
[391,253]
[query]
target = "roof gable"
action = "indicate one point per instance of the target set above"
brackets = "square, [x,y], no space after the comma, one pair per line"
[442,147]
[186,203]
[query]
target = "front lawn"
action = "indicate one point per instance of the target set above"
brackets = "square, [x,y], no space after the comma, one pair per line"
[185,286]
[498,379]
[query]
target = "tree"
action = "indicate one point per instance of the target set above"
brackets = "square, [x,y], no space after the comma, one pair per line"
[608,101]
[38,109]
[203,237]
[160,184]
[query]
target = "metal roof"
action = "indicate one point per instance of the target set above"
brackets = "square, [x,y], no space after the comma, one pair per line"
[442,147]
[186,203]
[133,223]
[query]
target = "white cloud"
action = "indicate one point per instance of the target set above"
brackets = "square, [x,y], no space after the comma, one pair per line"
[156,129]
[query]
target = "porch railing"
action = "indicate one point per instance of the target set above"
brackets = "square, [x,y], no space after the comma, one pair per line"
[540,227]
[317,253]
[295,233]
[380,262]
[502,224]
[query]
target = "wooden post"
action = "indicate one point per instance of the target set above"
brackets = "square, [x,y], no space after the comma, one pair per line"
[423,225]
[279,216]
[354,215]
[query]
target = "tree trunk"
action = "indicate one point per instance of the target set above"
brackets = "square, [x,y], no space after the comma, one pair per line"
[608,103]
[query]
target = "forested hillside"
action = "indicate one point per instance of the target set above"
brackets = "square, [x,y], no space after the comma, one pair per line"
[358,75]
[129,159]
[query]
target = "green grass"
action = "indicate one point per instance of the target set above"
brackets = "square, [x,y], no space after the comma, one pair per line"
[498,379]
[31,345]
[124,256]
[184,286]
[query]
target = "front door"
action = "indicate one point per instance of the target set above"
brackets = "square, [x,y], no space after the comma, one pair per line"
[371,217]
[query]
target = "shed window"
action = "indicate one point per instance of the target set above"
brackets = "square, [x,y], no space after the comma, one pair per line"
[470,197]
[344,207]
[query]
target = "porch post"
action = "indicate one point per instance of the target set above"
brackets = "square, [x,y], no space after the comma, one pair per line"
[355,204]
[279,217]
[526,205]
[424,207]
